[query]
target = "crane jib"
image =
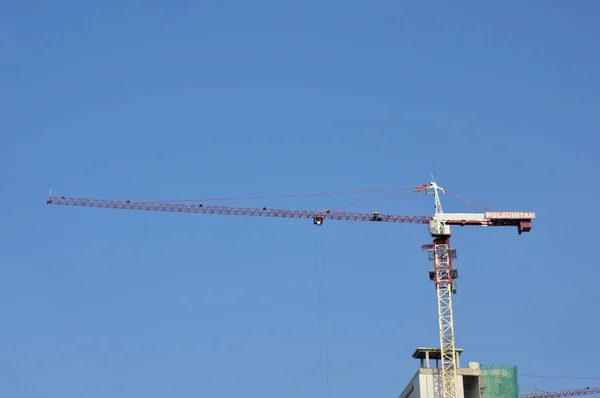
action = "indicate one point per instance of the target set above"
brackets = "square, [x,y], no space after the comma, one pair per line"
[239,211]
[522,220]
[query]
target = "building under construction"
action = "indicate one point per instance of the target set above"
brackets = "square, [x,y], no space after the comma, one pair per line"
[472,381]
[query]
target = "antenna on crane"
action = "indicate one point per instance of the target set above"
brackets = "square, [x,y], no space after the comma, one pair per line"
[434,189]
[437,225]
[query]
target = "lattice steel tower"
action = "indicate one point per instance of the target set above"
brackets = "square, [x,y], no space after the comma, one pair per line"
[443,276]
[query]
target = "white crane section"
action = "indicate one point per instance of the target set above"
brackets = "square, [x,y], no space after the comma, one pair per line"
[443,274]
[460,217]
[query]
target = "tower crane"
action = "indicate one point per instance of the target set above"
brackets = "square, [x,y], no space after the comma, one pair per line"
[440,252]
[564,393]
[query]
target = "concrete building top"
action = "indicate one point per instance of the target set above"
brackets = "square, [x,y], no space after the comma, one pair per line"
[432,353]
[459,371]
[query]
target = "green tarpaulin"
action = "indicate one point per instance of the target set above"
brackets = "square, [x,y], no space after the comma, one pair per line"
[499,382]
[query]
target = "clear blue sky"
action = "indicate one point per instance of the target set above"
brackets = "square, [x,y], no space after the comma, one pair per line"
[175,100]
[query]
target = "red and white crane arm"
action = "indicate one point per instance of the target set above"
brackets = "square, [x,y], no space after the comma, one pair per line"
[564,393]
[519,219]
[317,215]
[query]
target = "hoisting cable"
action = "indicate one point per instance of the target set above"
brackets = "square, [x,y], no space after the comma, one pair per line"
[469,201]
[562,377]
[368,201]
[319,321]
[322,316]
[535,388]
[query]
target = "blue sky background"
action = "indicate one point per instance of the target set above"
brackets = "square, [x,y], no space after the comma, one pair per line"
[185,100]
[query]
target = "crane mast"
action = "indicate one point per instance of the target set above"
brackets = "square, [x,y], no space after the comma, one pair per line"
[443,276]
